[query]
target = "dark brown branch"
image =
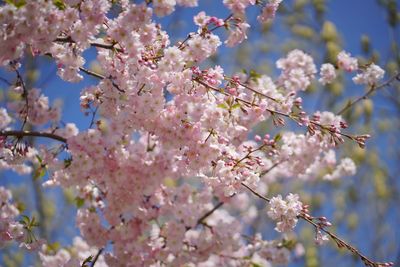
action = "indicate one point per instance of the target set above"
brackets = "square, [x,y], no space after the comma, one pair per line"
[94,112]
[208,213]
[24,95]
[97,257]
[21,134]
[92,73]
[341,243]
[271,168]
[256,193]
[96,75]
[250,88]
[94,44]
[101,77]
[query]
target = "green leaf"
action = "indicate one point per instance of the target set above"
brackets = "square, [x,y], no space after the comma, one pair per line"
[59,4]
[235,106]
[254,75]
[20,206]
[25,220]
[33,222]
[16,3]
[79,202]
[278,137]
[39,159]
[289,244]
[53,247]
[222,105]
[39,173]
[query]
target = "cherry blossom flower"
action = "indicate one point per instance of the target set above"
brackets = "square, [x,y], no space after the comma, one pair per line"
[346,62]
[285,212]
[369,76]
[327,74]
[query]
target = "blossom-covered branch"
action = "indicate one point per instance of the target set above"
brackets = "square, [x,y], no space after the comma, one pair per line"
[371,90]
[320,226]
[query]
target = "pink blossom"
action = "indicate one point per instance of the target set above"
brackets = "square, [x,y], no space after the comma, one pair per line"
[370,76]
[327,74]
[285,212]
[346,62]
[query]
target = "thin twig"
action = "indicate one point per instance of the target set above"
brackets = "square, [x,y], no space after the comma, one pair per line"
[250,88]
[94,112]
[96,75]
[68,39]
[369,92]
[273,112]
[97,256]
[271,168]
[101,77]
[25,95]
[4,80]
[248,155]
[92,73]
[256,193]
[208,213]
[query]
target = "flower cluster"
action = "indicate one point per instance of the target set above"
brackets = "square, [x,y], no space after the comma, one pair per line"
[10,229]
[74,256]
[370,76]
[327,73]
[5,119]
[35,107]
[268,12]
[298,70]
[346,62]
[285,212]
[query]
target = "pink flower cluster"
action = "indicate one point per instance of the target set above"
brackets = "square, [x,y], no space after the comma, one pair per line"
[268,12]
[35,107]
[10,229]
[285,212]
[370,76]
[74,256]
[5,119]
[346,62]
[327,73]
[298,69]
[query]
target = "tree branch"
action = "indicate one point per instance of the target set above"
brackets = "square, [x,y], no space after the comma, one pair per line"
[33,133]
[68,39]
[369,92]
[97,257]
[101,77]
[293,117]
[208,213]
[339,242]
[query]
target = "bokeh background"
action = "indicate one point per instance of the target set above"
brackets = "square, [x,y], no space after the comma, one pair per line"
[365,208]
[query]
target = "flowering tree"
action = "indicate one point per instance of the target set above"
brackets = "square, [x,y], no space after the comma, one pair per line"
[168,168]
